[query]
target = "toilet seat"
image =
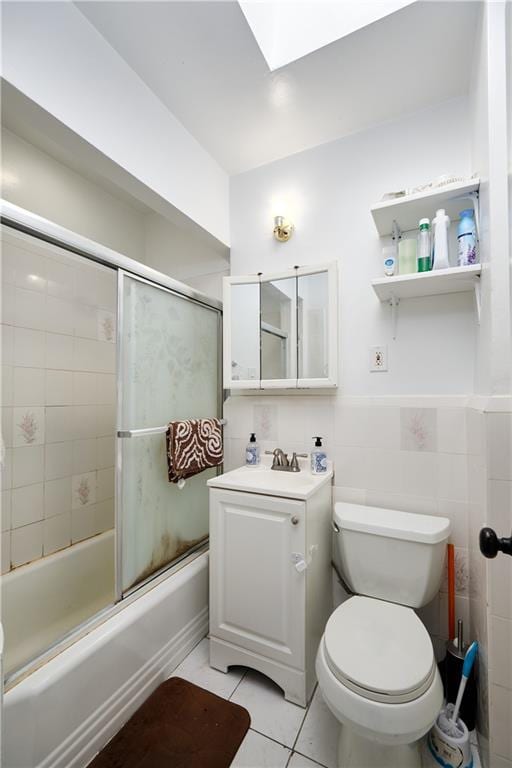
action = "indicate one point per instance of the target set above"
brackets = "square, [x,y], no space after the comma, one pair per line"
[379,650]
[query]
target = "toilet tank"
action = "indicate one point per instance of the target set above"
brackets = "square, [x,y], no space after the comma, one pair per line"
[388,554]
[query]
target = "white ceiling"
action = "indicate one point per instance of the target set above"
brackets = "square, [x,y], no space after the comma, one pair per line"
[201,59]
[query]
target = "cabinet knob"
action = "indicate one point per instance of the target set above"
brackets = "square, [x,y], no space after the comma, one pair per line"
[295,520]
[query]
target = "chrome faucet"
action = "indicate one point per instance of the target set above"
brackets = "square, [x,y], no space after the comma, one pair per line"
[281,463]
[280,460]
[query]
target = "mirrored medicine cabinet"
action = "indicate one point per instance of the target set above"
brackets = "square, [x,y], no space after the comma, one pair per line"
[281,330]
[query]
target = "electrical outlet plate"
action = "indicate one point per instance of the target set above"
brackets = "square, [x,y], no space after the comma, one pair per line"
[378,359]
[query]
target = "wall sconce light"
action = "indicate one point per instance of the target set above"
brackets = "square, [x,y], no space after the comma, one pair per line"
[283,229]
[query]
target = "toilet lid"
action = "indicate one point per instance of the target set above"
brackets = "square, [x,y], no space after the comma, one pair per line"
[380,648]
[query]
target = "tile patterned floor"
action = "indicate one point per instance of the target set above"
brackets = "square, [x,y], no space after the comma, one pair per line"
[282,735]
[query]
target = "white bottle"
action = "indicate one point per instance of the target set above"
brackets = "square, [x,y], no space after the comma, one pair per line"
[441,222]
[252,452]
[318,458]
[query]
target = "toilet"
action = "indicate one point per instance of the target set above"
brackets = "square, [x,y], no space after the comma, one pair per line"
[375,663]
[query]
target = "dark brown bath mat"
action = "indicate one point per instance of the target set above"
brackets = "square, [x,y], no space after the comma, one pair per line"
[179,726]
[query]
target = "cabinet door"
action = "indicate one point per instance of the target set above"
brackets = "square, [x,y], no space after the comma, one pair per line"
[241,335]
[257,596]
[317,322]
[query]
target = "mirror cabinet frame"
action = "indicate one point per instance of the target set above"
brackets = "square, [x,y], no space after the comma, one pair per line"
[332,330]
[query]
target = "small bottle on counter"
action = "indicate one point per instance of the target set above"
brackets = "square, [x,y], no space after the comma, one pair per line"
[318,458]
[252,452]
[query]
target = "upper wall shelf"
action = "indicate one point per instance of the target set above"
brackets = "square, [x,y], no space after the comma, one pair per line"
[407,211]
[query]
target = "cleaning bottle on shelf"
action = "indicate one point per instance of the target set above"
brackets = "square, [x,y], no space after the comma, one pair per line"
[252,452]
[466,239]
[424,249]
[441,223]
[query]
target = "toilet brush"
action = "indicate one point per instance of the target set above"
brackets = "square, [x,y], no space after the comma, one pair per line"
[448,741]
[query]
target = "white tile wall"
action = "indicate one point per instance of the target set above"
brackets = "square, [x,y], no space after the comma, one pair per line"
[58,460]
[423,455]
[28,386]
[26,544]
[56,533]
[58,398]
[59,351]
[57,496]
[27,505]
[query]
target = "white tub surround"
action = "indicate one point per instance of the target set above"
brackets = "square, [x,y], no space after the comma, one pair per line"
[58,593]
[106,674]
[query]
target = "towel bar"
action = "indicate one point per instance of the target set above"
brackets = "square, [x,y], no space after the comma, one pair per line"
[149,431]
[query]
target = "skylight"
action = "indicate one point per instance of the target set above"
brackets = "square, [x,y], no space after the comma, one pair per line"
[287,30]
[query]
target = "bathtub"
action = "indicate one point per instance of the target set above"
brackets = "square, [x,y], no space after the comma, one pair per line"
[61,714]
[44,600]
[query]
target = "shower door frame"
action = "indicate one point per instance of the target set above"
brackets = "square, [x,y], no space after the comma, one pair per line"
[25,221]
[121,274]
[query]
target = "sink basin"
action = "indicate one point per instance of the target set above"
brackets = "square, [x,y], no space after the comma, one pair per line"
[261,479]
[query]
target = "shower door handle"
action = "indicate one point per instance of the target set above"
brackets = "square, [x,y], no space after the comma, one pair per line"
[490,544]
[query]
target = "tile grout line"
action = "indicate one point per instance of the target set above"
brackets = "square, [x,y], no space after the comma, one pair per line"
[296,752]
[270,738]
[315,689]
[236,687]
[308,707]
[286,746]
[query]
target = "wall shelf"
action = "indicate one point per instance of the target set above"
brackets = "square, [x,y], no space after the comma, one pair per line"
[435,283]
[453,280]
[407,211]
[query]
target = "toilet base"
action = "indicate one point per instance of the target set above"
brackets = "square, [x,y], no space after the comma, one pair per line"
[354,751]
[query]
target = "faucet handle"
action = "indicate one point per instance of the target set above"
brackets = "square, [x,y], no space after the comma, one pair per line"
[294,464]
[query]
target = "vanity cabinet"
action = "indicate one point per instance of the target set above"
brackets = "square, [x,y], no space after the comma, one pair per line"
[281,330]
[270,588]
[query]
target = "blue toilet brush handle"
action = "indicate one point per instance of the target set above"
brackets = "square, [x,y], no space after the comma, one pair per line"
[469,660]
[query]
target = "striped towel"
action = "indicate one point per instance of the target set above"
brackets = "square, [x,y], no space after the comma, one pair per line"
[193,445]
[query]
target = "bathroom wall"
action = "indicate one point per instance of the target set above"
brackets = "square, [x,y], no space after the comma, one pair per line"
[499,493]
[488,126]
[194,260]
[49,48]
[37,181]
[58,398]
[413,438]
[489,473]
[327,192]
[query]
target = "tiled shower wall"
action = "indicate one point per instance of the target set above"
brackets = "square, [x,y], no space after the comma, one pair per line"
[58,398]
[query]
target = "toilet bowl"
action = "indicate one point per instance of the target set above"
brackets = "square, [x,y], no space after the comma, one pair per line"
[375,663]
[377,673]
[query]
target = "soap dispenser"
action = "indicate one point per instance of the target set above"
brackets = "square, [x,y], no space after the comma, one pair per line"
[252,452]
[318,458]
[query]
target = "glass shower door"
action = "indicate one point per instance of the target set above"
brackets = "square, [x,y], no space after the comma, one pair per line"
[168,369]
